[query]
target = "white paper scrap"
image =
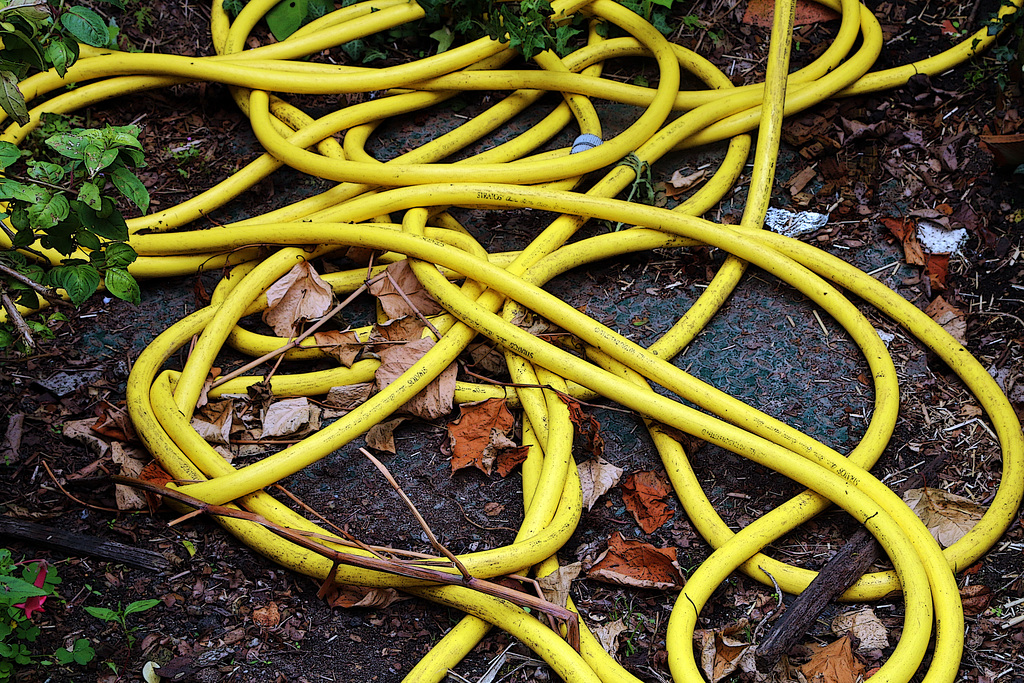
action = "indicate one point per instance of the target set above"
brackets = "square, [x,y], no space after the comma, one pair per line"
[791,223]
[936,239]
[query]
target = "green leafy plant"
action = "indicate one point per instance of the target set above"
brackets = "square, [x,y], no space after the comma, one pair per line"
[120,615]
[20,597]
[61,192]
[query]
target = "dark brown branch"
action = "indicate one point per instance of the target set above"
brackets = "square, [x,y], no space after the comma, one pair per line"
[841,572]
[82,544]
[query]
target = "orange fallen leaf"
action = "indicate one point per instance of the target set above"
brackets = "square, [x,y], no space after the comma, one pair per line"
[402,279]
[154,474]
[267,616]
[586,425]
[937,268]
[644,494]
[301,294]
[721,653]
[634,563]
[480,434]
[949,317]
[833,663]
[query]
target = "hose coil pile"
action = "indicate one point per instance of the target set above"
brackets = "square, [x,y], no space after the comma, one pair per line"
[420,186]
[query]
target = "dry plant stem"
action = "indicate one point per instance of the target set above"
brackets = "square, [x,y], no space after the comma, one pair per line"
[344,534]
[408,570]
[409,303]
[65,492]
[42,290]
[293,343]
[419,518]
[19,323]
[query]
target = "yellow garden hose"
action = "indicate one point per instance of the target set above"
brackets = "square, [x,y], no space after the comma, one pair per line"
[399,209]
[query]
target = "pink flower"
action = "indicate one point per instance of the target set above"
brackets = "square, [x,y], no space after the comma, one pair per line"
[35,603]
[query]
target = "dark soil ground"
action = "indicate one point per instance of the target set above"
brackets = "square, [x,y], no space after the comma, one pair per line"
[870,159]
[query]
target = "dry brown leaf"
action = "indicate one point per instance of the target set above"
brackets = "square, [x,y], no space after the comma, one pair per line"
[509,458]
[132,461]
[81,431]
[299,295]
[349,396]
[976,599]
[361,596]
[865,625]
[214,420]
[393,304]
[344,346]
[556,585]
[833,663]
[608,634]
[291,416]
[586,425]
[114,424]
[597,477]
[644,494]
[951,318]
[678,183]
[381,436]
[905,230]
[721,653]
[437,397]
[479,435]
[633,563]
[485,358]
[948,516]
[493,509]
[403,329]
[267,616]
[155,475]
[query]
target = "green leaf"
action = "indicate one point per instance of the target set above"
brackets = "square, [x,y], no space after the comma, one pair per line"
[89,194]
[131,187]
[141,606]
[63,656]
[83,651]
[45,171]
[121,284]
[9,153]
[88,240]
[98,158]
[20,46]
[71,144]
[119,254]
[444,38]
[11,99]
[108,222]
[286,17]
[86,26]
[62,53]
[50,212]
[14,590]
[33,11]
[80,281]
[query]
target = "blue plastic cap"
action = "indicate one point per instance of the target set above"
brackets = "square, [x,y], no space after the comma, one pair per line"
[584,142]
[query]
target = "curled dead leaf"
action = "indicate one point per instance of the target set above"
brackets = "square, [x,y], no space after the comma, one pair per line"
[597,477]
[344,346]
[381,436]
[291,416]
[721,653]
[833,663]
[479,436]
[437,397]
[340,595]
[865,625]
[402,280]
[557,584]
[949,317]
[645,495]
[214,421]
[301,294]
[948,516]
[267,616]
[634,563]
[976,599]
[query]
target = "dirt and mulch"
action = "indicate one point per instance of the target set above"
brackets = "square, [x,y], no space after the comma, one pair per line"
[880,166]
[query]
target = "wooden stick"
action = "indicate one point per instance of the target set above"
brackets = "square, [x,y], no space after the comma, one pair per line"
[841,572]
[82,544]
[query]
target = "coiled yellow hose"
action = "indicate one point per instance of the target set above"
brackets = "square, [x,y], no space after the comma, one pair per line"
[420,185]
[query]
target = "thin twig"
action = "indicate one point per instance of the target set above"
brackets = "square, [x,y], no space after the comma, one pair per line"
[411,305]
[19,322]
[293,343]
[415,571]
[346,535]
[65,492]
[419,518]
[44,291]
